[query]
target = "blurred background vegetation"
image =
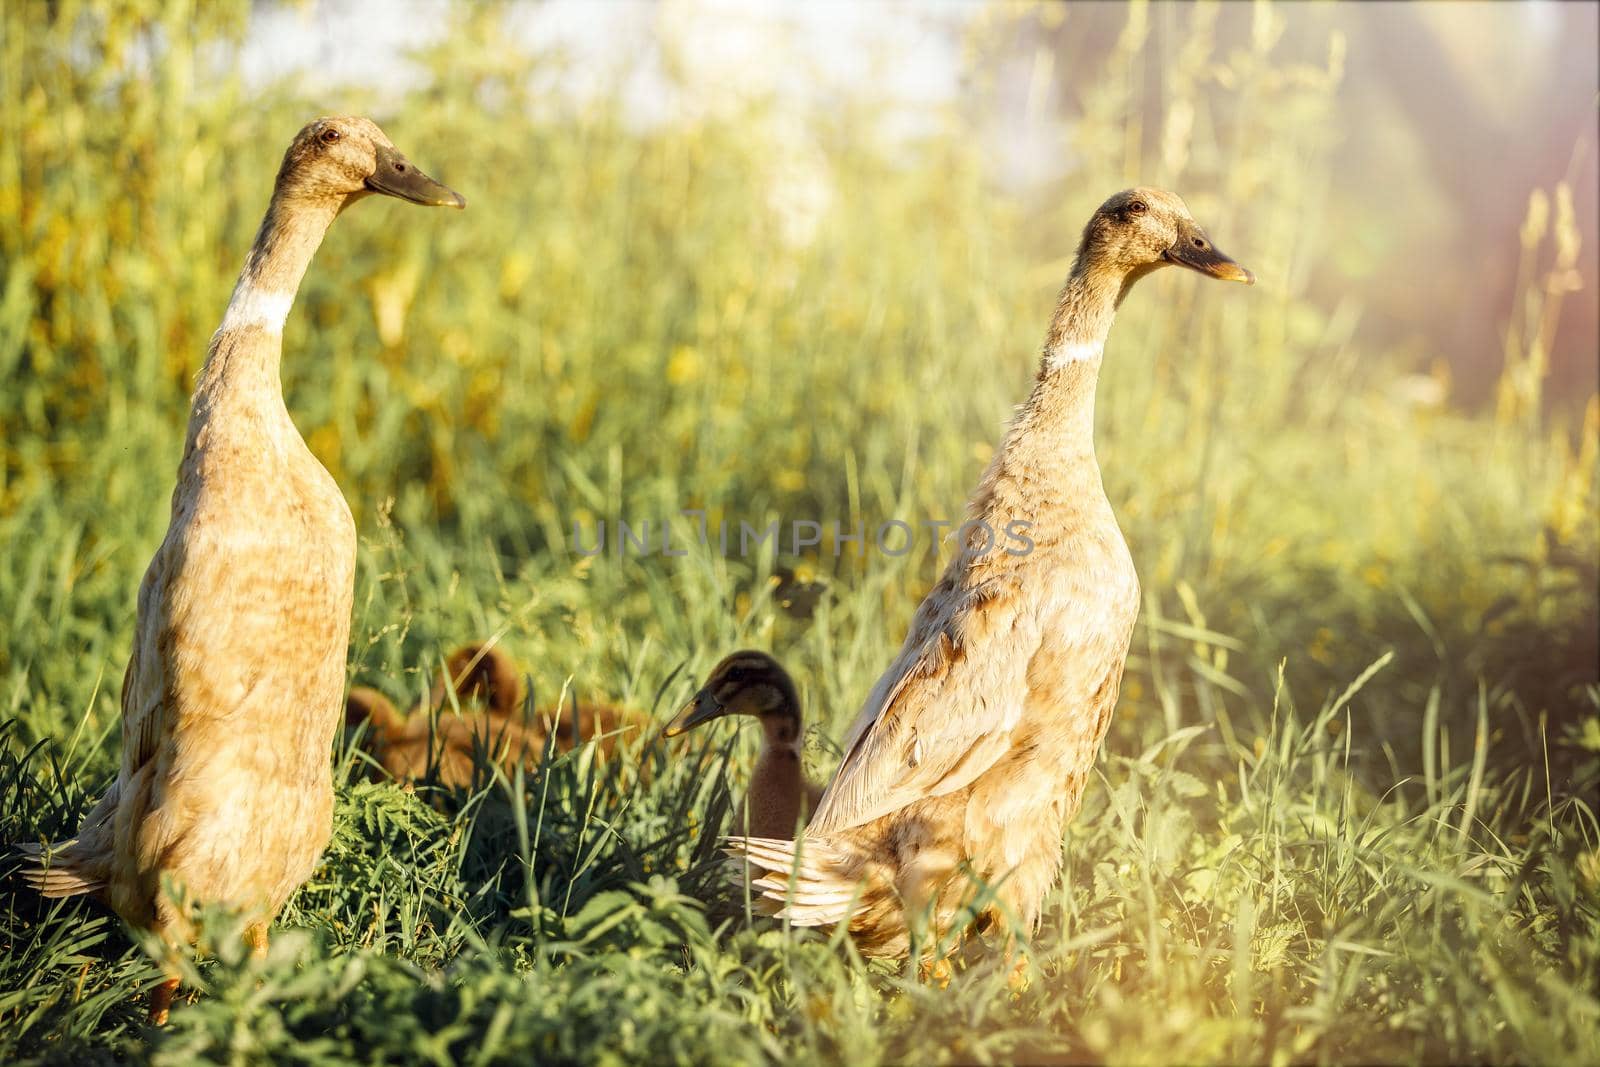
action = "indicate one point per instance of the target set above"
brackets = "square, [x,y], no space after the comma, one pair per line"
[784,265]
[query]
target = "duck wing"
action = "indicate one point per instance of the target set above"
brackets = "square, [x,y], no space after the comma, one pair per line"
[87,863]
[146,693]
[945,710]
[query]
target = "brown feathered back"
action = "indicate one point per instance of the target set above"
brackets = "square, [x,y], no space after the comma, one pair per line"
[485,723]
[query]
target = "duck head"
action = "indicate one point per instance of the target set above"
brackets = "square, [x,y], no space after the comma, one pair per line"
[366,705]
[481,674]
[346,158]
[745,683]
[1141,229]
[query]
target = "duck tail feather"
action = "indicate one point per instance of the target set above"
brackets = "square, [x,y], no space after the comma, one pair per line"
[60,872]
[808,881]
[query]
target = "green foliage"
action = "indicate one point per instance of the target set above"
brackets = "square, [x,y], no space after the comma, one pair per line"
[627,322]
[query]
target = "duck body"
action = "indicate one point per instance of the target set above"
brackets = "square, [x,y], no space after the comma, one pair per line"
[973,749]
[780,798]
[225,781]
[231,695]
[1036,643]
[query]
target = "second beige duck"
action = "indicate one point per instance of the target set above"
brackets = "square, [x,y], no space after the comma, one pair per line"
[973,749]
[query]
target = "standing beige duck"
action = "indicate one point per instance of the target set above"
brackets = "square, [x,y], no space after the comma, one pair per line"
[779,798]
[972,751]
[232,693]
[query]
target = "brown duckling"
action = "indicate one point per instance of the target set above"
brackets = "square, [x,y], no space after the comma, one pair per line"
[780,797]
[486,721]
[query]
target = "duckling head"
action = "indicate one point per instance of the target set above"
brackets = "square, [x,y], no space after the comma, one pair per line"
[1142,229]
[481,674]
[365,705]
[746,683]
[345,158]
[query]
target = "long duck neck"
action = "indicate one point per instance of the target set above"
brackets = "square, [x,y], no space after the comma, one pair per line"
[1047,460]
[777,782]
[241,367]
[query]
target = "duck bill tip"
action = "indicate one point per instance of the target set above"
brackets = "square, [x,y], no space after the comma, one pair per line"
[1232,272]
[395,175]
[702,709]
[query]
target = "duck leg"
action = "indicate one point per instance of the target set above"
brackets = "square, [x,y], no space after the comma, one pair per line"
[161,1001]
[255,935]
[935,970]
[936,964]
[1020,968]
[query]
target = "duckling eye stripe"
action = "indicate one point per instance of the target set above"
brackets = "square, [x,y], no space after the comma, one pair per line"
[1075,352]
[257,307]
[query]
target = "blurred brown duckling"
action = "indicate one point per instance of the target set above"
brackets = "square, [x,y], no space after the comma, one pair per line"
[753,683]
[487,721]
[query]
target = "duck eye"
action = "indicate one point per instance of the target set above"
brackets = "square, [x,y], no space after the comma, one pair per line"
[329,136]
[1136,207]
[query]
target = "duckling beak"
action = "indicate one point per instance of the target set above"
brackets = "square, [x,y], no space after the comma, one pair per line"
[1193,249]
[398,176]
[702,709]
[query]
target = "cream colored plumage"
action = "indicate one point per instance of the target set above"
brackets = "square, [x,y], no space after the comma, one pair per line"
[972,751]
[234,687]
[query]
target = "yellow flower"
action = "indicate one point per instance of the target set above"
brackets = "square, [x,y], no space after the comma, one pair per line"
[515,270]
[583,421]
[789,480]
[684,366]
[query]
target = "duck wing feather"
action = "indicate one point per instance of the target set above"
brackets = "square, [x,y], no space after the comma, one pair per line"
[944,711]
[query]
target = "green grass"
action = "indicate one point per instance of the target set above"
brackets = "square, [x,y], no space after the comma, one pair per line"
[1345,811]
